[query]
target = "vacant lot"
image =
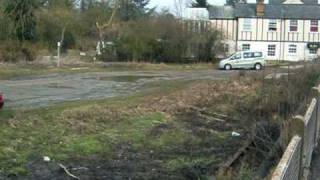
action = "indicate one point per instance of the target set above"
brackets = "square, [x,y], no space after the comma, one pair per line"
[156,124]
[44,90]
[178,124]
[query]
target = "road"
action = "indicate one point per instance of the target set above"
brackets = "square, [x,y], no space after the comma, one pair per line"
[45,90]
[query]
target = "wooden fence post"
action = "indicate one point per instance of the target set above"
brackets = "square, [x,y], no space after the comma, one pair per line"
[315,94]
[298,128]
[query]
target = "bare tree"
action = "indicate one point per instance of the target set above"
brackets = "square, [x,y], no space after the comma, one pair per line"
[63,17]
[179,6]
[102,27]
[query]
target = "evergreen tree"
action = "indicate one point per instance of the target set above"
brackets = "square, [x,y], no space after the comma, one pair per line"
[200,4]
[134,9]
[21,13]
[86,4]
[233,2]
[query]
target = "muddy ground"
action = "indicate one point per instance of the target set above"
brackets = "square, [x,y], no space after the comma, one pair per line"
[158,137]
[45,90]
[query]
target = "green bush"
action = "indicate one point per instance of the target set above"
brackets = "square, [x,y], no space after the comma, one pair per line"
[12,51]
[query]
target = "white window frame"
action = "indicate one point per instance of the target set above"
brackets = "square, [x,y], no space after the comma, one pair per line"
[271,50]
[293,23]
[273,25]
[314,23]
[247,24]
[246,47]
[292,49]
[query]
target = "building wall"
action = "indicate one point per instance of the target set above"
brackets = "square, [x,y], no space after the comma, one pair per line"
[260,37]
[281,50]
[229,28]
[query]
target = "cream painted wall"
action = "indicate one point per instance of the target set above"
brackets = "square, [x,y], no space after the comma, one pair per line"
[227,26]
[259,37]
[282,50]
[260,31]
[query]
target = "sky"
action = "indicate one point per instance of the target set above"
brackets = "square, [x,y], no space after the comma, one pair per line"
[170,3]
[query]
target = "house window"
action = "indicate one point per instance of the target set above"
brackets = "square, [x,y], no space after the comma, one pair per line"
[247,24]
[312,51]
[272,25]
[245,47]
[314,26]
[293,25]
[226,47]
[271,50]
[292,49]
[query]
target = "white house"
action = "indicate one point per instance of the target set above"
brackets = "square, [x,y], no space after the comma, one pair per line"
[284,30]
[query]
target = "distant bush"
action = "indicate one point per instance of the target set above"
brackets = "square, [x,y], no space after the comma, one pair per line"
[12,51]
[162,39]
[8,52]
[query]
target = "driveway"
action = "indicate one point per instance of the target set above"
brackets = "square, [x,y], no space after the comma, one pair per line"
[42,91]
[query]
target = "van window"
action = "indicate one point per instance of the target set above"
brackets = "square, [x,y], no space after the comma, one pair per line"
[252,55]
[257,54]
[237,56]
[247,55]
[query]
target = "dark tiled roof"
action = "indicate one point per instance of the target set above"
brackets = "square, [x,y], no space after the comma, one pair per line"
[276,1]
[306,2]
[310,2]
[290,11]
[221,12]
[283,11]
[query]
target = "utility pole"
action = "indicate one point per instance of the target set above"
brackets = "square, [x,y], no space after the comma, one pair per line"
[59,54]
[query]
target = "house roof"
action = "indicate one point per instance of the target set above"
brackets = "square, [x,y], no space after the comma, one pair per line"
[273,11]
[221,12]
[307,2]
[284,11]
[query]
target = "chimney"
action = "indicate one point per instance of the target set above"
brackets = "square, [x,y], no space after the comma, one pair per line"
[260,8]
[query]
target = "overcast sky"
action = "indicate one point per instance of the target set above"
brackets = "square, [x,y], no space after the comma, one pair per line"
[170,3]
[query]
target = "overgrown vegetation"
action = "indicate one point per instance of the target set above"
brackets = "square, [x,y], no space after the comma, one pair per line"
[159,130]
[175,130]
[120,30]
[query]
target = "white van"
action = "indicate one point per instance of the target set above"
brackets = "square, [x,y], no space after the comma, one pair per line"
[245,60]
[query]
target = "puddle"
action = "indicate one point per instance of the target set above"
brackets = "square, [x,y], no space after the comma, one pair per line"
[45,90]
[126,78]
[59,86]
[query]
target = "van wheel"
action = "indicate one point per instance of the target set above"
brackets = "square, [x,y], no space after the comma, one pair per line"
[228,67]
[258,66]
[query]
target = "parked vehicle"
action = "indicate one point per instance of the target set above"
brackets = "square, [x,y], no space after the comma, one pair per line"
[244,60]
[1,100]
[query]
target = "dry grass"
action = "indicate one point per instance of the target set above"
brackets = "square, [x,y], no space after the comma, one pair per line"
[172,128]
[153,122]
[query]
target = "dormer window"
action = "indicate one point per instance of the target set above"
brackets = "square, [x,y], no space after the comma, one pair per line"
[314,26]
[247,24]
[272,25]
[293,25]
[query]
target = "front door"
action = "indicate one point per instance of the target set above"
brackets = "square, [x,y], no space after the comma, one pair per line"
[236,59]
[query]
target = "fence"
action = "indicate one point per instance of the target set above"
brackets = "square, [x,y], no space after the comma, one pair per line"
[296,160]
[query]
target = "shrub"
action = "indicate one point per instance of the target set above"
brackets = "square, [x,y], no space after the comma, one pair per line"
[12,51]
